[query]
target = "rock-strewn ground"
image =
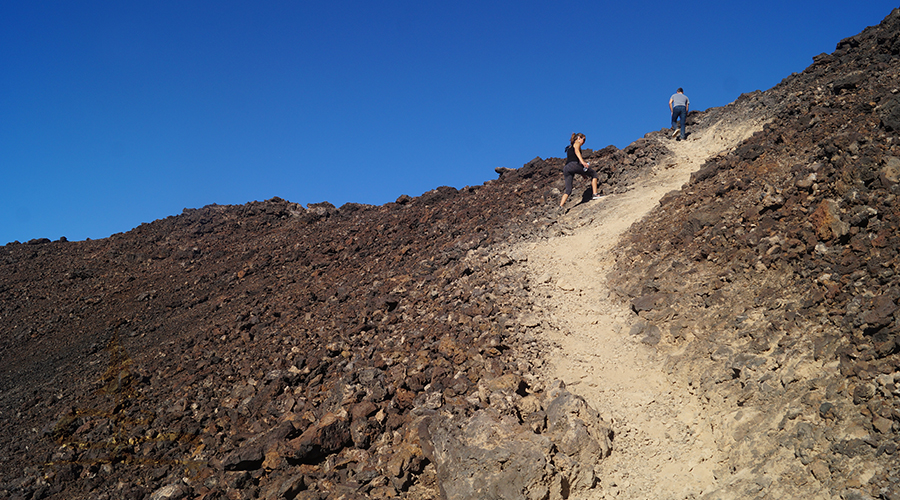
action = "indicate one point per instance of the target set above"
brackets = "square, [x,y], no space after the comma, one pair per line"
[769,284]
[270,350]
[274,351]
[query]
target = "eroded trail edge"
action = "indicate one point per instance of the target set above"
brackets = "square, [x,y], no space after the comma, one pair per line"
[665,443]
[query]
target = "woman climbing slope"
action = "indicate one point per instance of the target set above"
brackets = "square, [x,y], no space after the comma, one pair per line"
[575,164]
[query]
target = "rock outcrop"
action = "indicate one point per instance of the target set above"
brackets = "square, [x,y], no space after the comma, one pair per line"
[518,447]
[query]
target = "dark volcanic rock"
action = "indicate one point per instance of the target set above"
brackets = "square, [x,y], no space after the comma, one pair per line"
[784,261]
[263,349]
[269,350]
[889,112]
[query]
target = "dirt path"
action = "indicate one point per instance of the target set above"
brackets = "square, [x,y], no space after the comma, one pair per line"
[665,445]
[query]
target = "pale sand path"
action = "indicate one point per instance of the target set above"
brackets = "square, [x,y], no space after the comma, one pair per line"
[665,444]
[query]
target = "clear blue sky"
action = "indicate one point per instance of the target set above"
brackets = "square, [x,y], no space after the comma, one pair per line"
[115,113]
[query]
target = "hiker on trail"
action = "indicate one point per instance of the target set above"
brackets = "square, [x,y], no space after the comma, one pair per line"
[679,105]
[575,164]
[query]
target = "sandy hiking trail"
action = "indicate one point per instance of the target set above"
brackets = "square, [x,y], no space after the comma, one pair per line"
[665,444]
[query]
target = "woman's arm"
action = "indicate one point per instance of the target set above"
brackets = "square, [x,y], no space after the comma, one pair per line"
[578,154]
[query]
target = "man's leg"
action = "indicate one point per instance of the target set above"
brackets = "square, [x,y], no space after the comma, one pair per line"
[683,114]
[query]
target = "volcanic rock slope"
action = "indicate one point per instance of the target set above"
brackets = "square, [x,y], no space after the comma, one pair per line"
[275,351]
[413,350]
[769,284]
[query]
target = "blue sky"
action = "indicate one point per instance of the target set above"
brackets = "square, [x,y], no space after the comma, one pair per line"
[117,113]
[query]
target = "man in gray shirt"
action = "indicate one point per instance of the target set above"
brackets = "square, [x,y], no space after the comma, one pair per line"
[678,105]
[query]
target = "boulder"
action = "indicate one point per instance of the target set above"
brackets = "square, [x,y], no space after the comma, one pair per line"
[494,455]
[889,112]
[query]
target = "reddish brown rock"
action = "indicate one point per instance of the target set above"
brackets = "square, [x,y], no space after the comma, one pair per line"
[172,354]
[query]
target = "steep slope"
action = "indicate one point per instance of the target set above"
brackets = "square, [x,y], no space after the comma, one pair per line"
[769,285]
[738,340]
[665,445]
[263,350]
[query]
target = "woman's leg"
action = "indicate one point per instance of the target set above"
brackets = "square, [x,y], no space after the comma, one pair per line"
[569,177]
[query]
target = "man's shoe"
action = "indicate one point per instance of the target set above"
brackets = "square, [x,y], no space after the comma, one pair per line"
[674,132]
[597,197]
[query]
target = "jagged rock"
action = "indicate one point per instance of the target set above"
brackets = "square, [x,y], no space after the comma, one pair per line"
[328,435]
[288,487]
[579,433]
[169,492]
[487,457]
[889,112]
[248,457]
[827,221]
[493,455]
[890,174]
[848,82]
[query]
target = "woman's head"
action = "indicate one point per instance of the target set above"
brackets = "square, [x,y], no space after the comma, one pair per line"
[575,137]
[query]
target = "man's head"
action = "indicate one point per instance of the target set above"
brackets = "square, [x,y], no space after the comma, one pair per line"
[680,90]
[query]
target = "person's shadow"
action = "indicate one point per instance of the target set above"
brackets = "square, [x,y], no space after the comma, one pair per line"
[587,195]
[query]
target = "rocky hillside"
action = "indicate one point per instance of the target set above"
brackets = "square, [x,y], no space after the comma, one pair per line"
[274,351]
[269,350]
[771,279]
